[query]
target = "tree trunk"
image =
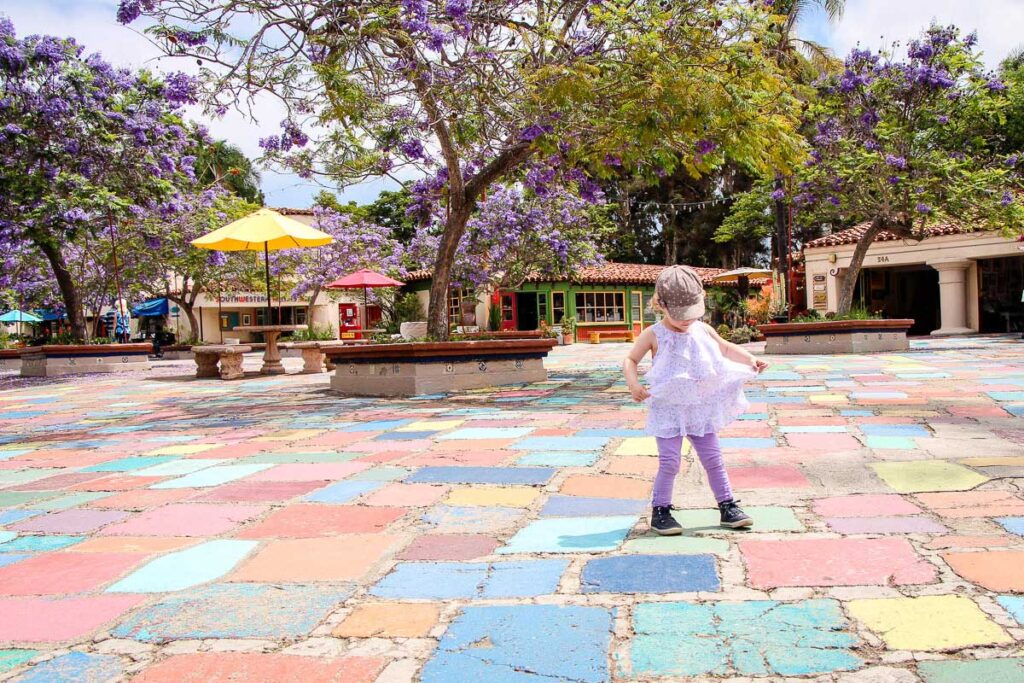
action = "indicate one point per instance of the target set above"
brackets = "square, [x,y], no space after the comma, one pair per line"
[437,314]
[68,290]
[190,313]
[309,306]
[856,261]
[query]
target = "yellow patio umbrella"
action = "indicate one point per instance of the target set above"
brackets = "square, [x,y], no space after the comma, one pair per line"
[266,231]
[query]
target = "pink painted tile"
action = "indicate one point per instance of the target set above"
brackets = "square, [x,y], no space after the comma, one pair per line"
[231,451]
[809,421]
[41,620]
[142,499]
[469,458]
[449,547]
[768,477]
[309,472]
[384,456]
[65,573]
[409,495]
[231,667]
[75,521]
[834,562]
[886,525]
[118,482]
[311,521]
[185,519]
[59,481]
[872,505]
[258,492]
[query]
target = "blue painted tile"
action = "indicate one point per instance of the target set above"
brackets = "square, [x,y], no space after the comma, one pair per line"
[908,431]
[212,476]
[747,442]
[381,474]
[1014,604]
[1015,410]
[754,416]
[11,559]
[575,645]
[576,506]
[1015,525]
[14,453]
[471,580]
[563,443]
[613,433]
[185,568]
[890,442]
[856,413]
[342,492]
[650,574]
[403,436]
[754,638]
[570,535]
[486,433]
[239,610]
[376,426]
[39,544]
[127,464]
[1006,395]
[559,459]
[12,516]
[471,519]
[73,667]
[482,475]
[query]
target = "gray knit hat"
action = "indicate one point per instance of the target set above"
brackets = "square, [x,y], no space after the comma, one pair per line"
[680,292]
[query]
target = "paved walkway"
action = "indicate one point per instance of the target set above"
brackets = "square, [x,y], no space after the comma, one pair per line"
[267,530]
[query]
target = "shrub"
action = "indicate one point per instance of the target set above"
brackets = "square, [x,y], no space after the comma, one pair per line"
[723,331]
[742,335]
[407,309]
[494,317]
[314,333]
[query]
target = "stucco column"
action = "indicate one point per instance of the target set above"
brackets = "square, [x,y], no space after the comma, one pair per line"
[952,297]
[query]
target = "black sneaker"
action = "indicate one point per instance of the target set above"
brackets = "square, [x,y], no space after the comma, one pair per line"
[732,516]
[663,523]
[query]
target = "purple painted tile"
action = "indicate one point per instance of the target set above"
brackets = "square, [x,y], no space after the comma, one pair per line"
[74,521]
[886,525]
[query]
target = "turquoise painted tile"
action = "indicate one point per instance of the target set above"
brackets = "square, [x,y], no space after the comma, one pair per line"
[185,568]
[178,467]
[12,659]
[213,476]
[128,464]
[890,442]
[381,474]
[570,535]
[70,501]
[39,544]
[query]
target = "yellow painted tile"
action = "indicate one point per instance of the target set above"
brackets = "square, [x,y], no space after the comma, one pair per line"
[1010,461]
[430,425]
[291,435]
[183,449]
[497,496]
[830,399]
[927,475]
[934,622]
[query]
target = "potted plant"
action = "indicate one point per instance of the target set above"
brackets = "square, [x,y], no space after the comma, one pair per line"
[568,329]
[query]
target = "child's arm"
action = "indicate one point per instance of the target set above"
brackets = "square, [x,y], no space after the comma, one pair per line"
[737,353]
[643,345]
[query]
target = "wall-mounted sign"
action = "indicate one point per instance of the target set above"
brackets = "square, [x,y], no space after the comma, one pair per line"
[233,298]
[819,288]
[819,278]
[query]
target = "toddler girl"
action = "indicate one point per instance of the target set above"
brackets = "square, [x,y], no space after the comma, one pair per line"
[696,388]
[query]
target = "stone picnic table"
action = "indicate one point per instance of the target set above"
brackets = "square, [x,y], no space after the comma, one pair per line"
[272,354]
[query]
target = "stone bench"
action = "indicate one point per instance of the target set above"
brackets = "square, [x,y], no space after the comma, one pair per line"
[229,357]
[314,360]
[613,335]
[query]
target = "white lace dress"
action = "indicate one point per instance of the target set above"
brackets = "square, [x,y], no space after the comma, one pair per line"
[694,388]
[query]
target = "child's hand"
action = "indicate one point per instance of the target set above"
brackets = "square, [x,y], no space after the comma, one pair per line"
[639,392]
[758,365]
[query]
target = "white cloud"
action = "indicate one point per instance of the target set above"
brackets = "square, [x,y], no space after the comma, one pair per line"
[877,23]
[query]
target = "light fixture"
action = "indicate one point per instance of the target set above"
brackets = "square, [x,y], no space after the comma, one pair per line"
[832,258]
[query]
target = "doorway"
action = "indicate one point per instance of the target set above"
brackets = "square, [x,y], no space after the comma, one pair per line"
[526,311]
[908,292]
[1001,294]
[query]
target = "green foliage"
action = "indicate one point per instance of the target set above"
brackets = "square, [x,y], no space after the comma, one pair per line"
[407,309]
[750,216]
[314,333]
[222,163]
[5,339]
[723,331]
[742,335]
[569,325]
[494,318]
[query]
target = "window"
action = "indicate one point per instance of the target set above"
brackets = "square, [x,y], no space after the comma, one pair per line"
[601,307]
[300,316]
[455,297]
[636,306]
[542,307]
[650,316]
[508,308]
[557,307]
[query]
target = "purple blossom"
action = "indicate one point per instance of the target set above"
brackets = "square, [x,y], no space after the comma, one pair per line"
[896,162]
[923,208]
[778,194]
[531,133]
[893,180]
[1012,160]
[705,147]
[1007,199]
[995,85]
[180,88]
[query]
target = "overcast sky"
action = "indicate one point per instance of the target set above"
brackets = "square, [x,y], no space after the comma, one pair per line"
[872,23]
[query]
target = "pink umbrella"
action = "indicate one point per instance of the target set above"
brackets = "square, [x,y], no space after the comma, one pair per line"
[364,279]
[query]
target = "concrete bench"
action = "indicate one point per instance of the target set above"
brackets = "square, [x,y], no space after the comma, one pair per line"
[612,335]
[229,356]
[314,360]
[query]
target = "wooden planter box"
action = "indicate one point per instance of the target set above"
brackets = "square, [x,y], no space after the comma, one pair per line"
[10,359]
[504,334]
[52,360]
[419,368]
[837,336]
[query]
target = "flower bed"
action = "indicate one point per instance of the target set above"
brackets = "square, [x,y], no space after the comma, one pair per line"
[419,368]
[837,336]
[52,360]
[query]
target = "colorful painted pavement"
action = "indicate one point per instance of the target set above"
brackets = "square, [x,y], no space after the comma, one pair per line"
[167,529]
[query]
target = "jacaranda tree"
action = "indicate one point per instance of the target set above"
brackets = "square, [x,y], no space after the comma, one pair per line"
[83,147]
[479,88]
[904,145]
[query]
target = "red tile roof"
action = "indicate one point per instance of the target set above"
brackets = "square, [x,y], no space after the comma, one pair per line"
[853,235]
[607,273]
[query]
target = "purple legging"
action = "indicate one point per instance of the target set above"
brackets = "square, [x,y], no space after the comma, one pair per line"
[710,454]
